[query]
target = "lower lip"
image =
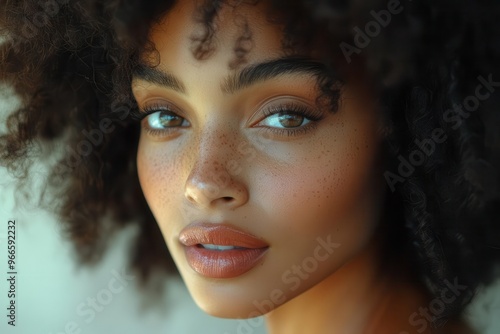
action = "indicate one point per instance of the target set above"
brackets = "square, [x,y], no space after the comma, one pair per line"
[223,264]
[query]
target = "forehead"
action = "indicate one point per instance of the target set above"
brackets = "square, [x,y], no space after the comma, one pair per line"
[197,31]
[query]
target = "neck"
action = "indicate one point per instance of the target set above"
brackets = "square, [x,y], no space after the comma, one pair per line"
[344,302]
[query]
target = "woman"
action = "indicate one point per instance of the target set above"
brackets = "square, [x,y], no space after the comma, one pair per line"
[331,165]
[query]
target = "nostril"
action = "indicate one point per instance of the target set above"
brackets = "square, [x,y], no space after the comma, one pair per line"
[190,198]
[227,198]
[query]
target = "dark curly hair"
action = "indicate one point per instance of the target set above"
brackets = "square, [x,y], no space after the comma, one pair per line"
[435,66]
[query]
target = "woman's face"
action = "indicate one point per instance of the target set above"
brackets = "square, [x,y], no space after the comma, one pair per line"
[221,158]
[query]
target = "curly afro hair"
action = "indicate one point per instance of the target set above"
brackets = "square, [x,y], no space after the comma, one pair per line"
[435,68]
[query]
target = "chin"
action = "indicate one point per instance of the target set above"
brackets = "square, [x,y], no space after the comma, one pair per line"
[222,299]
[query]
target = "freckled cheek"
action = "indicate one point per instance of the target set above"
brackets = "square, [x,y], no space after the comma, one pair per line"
[325,192]
[160,179]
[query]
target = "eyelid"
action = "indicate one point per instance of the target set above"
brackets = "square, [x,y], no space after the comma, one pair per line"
[151,106]
[276,103]
[292,108]
[161,133]
[313,114]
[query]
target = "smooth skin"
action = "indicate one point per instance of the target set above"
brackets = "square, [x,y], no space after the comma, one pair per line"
[298,182]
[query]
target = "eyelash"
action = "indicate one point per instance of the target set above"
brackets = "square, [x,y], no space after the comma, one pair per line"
[313,115]
[141,114]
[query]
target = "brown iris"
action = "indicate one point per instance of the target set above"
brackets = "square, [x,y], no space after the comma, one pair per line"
[170,120]
[290,120]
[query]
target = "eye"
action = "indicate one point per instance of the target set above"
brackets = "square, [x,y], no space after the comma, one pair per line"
[159,121]
[164,119]
[285,120]
[290,119]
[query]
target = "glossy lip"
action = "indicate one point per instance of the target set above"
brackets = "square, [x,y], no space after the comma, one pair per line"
[221,263]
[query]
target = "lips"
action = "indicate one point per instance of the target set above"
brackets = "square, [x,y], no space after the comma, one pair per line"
[221,251]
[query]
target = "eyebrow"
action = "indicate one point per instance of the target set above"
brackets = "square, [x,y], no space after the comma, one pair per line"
[247,77]
[159,77]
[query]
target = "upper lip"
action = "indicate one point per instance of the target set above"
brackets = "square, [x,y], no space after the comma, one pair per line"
[219,234]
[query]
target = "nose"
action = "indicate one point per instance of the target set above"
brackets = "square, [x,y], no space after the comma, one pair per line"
[211,183]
